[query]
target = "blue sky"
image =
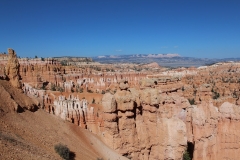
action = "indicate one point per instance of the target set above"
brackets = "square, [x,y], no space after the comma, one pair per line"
[193,28]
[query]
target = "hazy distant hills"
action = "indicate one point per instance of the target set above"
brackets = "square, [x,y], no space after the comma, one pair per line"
[168,60]
[170,55]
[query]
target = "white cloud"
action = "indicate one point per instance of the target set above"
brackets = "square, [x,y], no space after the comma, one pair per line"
[175,46]
[118,50]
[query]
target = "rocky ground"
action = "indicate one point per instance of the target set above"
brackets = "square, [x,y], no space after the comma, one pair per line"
[32,135]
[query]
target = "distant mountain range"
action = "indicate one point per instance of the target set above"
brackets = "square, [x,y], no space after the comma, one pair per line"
[170,55]
[168,60]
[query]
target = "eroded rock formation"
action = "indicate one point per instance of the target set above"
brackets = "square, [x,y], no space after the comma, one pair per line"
[143,115]
[213,132]
[12,69]
[10,88]
[155,123]
[135,126]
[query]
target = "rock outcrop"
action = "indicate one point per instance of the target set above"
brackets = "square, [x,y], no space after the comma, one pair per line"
[72,109]
[12,69]
[213,133]
[134,126]
[158,122]
[14,98]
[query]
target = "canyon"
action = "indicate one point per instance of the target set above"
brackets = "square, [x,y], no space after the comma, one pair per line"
[141,111]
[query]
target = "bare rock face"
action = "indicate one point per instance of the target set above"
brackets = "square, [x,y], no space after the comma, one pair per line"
[204,93]
[109,103]
[147,83]
[213,132]
[124,100]
[161,124]
[173,136]
[229,111]
[134,127]
[150,96]
[72,109]
[123,85]
[12,69]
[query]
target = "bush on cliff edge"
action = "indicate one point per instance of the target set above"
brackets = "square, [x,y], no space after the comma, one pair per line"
[186,156]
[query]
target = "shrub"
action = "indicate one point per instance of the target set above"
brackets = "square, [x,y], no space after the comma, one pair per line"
[194,92]
[191,101]
[64,63]
[81,90]
[93,101]
[216,95]
[89,91]
[61,89]
[43,87]
[186,156]
[53,87]
[62,150]
[183,88]
[235,94]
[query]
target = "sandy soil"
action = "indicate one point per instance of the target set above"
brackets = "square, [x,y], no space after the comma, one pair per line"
[32,135]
